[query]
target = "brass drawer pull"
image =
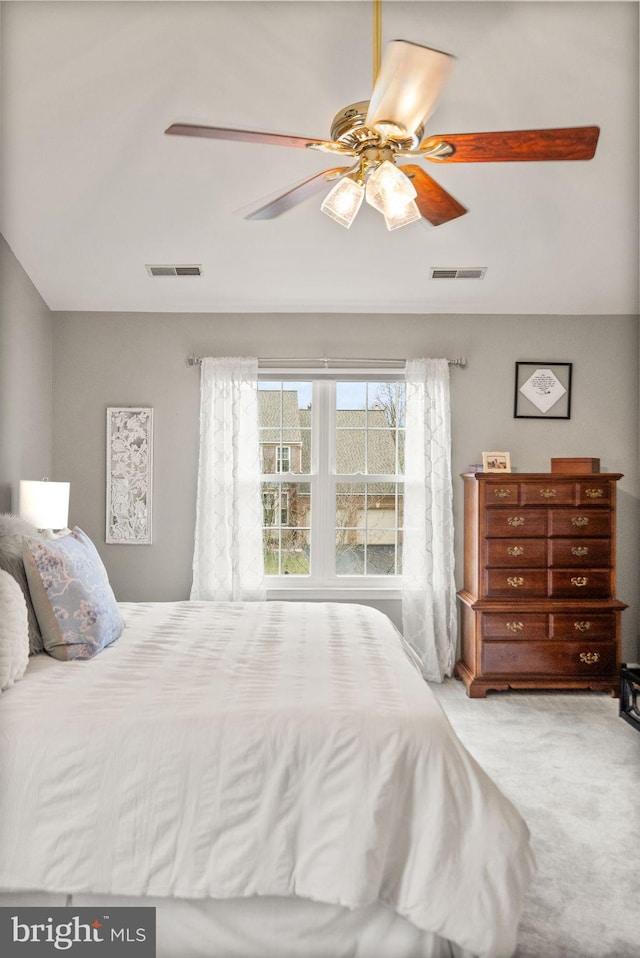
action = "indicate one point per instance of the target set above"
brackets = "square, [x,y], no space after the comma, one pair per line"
[580,521]
[548,493]
[515,626]
[594,493]
[579,581]
[580,551]
[515,581]
[589,657]
[515,550]
[502,493]
[515,520]
[582,626]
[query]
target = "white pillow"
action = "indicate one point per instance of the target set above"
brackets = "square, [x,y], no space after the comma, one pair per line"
[14,631]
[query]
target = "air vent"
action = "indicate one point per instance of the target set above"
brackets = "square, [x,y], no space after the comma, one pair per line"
[174,270]
[476,272]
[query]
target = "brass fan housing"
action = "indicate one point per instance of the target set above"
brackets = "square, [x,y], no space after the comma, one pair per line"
[349,128]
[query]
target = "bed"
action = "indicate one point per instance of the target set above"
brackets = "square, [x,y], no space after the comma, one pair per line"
[276,778]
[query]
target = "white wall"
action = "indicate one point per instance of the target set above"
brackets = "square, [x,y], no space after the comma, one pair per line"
[140,359]
[26,381]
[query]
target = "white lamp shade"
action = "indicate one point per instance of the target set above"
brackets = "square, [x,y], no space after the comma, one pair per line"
[389,189]
[408,214]
[344,201]
[410,81]
[44,504]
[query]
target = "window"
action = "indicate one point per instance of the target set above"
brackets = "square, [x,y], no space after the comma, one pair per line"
[332,483]
[275,458]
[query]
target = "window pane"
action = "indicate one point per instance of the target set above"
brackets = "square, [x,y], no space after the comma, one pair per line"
[369,420]
[369,517]
[381,449]
[284,412]
[349,555]
[350,451]
[294,552]
[297,497]
[268,457]
[286,510]
[286,552]
[351,395]
[400,449]
[388,398]
[305,451]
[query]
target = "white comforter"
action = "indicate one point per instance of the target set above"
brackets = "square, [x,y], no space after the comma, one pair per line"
[227,750]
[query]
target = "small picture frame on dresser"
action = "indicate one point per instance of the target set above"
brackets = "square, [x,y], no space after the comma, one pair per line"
[496,462]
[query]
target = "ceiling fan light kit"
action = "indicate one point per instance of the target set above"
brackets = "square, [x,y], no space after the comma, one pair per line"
[379,132]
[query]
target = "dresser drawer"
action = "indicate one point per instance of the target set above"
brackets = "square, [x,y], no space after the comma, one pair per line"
[516,582]
[516,552]
[580,553]
[598,627]
[502,494]
[594,493]
[548,491]
[579,522]
[580,583]
[572,659]
[507,523]
[527,625]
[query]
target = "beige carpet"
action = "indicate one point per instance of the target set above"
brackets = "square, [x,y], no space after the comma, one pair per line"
[572,768]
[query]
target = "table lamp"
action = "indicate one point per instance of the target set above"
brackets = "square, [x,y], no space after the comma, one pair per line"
[44,504]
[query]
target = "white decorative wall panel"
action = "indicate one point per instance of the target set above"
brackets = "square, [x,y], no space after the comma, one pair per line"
[129,474]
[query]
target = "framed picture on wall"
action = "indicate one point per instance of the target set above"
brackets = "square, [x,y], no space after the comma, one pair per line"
[129,474]
[542,390]
[496,462]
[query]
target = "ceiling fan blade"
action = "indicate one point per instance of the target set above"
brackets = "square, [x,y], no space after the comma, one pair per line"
[251,136]
[297,194]
[434,203]
[408,85]
[572,143]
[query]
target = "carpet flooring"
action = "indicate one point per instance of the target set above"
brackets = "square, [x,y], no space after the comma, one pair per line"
[571,765]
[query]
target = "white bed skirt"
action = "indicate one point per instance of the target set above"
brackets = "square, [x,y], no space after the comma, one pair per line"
[267,927]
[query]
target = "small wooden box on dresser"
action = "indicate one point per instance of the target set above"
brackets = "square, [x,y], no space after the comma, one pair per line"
[538,603]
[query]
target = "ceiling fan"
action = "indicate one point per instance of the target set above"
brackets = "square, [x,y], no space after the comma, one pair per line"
[390,127]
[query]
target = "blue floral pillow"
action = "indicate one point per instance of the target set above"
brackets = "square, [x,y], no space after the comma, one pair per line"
[75,606]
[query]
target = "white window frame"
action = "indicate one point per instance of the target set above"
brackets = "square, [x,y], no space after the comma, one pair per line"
[323,582]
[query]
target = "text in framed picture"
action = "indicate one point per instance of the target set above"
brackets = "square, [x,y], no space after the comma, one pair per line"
[542,390]
[129,474]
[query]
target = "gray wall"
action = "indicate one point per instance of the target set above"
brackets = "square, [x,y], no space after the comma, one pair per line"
[26,381]
[140,359]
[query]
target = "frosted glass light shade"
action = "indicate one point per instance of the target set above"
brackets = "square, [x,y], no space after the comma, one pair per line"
[409,83]
[44,504]
[343,201]
[408,214]
[388,189]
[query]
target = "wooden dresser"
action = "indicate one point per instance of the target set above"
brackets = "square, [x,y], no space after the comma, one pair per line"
[538,603]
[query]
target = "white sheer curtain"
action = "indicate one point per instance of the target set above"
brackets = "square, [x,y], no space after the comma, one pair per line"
[429,620]
[228,561]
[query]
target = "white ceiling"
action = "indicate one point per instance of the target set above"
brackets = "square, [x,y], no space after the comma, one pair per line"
[92,189]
